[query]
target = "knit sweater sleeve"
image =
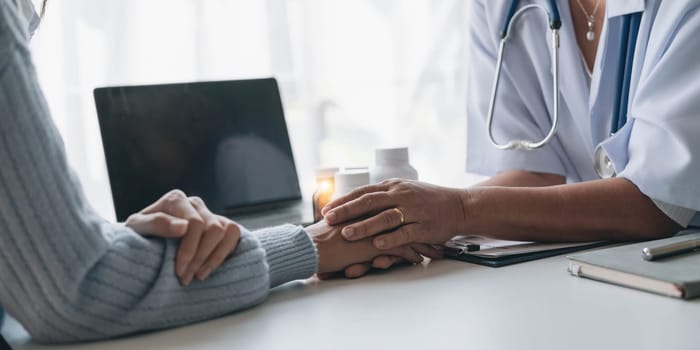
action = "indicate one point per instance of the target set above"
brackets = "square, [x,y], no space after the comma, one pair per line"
[68,275]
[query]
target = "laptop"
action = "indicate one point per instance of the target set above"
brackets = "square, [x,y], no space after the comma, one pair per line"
[224,141]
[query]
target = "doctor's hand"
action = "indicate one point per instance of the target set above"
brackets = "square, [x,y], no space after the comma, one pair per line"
[336,254]
[206,239]
[398,212]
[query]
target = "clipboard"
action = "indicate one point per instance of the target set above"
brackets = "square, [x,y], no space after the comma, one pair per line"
[498,253]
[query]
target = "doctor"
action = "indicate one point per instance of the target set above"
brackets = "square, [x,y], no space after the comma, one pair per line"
[554,193]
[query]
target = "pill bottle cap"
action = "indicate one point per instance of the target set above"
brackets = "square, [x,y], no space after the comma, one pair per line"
[348,180]
[391,156]
[326,172]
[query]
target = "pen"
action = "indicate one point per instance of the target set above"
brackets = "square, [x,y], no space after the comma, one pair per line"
[463,247]
[473,247]
[654,253]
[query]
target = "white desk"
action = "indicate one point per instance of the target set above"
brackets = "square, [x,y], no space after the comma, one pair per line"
[441,305]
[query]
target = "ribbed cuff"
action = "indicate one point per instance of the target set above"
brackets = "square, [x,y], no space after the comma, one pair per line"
[290,253]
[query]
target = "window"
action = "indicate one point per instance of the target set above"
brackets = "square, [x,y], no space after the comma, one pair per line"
[355,74]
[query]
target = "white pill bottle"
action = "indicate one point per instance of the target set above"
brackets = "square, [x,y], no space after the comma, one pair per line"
[348,180]
[392,163]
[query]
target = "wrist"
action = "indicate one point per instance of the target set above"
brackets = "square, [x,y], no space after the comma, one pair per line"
[334,252]
[464,216]
[319,235]
[321,252]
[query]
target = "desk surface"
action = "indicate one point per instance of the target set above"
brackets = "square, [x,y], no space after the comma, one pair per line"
[444,304]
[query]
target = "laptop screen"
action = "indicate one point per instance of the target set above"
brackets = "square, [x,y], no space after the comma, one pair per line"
[224,141]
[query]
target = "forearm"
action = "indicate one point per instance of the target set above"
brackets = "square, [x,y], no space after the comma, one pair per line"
[593,210]
[521,178]
[89,289]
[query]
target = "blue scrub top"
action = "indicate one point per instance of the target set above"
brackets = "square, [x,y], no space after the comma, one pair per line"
[658,149]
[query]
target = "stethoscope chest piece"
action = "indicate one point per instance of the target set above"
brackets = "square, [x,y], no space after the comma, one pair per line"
[604,167]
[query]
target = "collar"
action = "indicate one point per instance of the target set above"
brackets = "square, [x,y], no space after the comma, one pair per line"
[624,7]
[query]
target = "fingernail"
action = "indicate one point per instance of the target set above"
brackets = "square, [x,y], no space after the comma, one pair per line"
[348,232]
[180,270]
[380,243]
[180,222]
[331,216]
[202,276]
[188,279]
[180,226]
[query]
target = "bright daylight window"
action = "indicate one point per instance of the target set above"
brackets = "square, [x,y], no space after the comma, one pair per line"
[355,74]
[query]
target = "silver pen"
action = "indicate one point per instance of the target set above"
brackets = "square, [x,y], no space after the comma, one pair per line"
[654,253]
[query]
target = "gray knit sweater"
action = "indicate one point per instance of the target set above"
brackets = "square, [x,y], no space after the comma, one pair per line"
[68,275]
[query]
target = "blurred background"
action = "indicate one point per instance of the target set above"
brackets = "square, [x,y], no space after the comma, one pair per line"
[355,74]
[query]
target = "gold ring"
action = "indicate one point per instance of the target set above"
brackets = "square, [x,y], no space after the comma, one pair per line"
[403,218]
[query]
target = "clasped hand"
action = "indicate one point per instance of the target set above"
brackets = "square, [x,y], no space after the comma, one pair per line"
[398,212]
[207,239]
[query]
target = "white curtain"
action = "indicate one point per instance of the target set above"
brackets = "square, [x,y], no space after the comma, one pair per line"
[355,74]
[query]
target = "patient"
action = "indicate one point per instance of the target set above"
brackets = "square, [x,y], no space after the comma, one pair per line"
[69,275]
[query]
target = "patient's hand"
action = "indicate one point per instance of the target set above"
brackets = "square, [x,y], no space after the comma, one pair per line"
[385,262]
[206,239]
[336,254]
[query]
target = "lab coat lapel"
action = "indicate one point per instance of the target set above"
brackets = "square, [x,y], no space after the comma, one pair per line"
[573,89]
[603,83]
[617,8]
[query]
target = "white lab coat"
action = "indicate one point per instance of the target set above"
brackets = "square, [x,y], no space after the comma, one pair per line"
[659,147]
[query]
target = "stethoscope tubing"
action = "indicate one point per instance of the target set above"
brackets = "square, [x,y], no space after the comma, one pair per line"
[555,24]
[629,34]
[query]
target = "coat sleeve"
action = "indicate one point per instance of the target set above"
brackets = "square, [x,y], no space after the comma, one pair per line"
[658,148]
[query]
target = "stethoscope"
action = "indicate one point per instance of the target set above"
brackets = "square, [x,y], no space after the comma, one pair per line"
[630,30]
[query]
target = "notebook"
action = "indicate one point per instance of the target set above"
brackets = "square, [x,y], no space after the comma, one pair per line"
[677,276]
[497,253]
